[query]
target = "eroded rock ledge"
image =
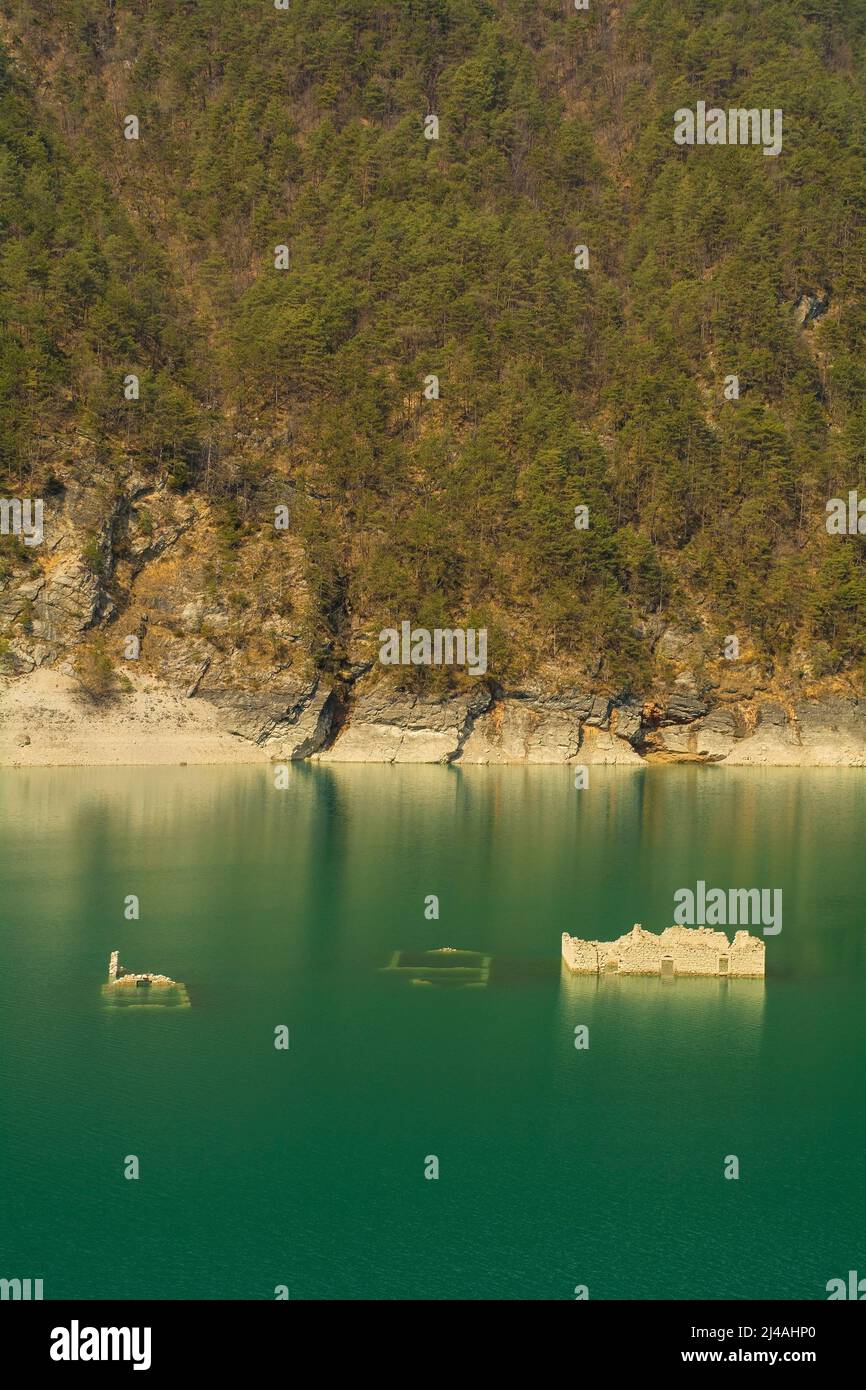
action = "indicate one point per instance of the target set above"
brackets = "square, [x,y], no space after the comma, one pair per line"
[43,721]
[593,729]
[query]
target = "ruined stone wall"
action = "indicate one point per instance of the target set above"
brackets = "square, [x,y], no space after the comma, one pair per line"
[580,956]
[691,951]
[695,950]
[747,955]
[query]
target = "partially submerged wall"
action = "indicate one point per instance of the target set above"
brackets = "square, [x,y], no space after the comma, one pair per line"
[675,951]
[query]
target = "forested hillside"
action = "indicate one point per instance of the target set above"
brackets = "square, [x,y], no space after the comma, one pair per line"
[409,258]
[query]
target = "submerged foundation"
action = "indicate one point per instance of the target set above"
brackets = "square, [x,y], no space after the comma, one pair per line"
[445,966]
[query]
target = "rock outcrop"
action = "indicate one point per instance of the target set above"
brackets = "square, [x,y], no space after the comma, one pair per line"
[828,733]
[290,719]
[398,727]
[45,719]
[225,673]
[531,727]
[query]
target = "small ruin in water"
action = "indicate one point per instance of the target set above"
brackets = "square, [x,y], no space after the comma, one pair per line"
[444,966]
[126,987]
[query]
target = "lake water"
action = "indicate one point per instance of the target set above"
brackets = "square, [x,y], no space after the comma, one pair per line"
[305,1167]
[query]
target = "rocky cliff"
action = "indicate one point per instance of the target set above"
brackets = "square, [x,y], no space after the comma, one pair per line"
[46,718]
[286,366]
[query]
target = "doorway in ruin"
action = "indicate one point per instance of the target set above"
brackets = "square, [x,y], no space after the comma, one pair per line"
[723,965]
[611,967]
[667,967]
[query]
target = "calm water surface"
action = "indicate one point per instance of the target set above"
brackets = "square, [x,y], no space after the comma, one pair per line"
[306,1167]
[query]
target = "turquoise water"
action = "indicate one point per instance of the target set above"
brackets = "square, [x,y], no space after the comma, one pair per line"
[305,1167]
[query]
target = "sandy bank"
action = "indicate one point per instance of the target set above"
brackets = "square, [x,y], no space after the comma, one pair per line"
[45,722]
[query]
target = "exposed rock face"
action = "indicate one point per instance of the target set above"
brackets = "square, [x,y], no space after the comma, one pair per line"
[304,729]
[591,730]
[628,722]
[291,719]
[830,733]
[69,598]
[208,715]
[679,644]
[533,727]
[600,748]
[675,951]
[706,740]
[388,726]
[810,307]
[221,672]
[681,707]
[517,731]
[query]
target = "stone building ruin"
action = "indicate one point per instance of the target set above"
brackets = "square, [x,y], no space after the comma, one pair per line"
[677,951]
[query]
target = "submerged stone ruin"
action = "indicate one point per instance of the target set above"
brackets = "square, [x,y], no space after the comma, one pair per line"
[129,987]
[444,966]
[677,951]
[121,978]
